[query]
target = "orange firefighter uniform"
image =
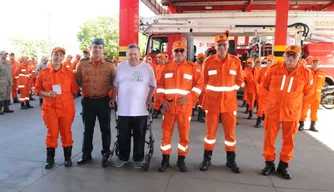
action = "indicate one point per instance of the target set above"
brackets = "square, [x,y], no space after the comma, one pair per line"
[178,80]
[14,78]
[58,112]
[23,82]
[32,66]
[261,91]
[68,64]
[313,101]
[222,79]
[250,77]
[200,98]
[157,72]
[75,62]
[286,92]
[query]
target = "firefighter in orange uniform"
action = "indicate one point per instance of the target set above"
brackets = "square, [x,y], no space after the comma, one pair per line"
[288,83]
[75,62]
[180,85]
[319,78]
[32,66]
[57,85]
[23,83]
[157,73]
[262,92]
[150,62]
[68,64]
[201,112]
[222,76]
[251,74]
[14,77]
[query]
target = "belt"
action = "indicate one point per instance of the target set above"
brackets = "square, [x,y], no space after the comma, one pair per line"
[97,97]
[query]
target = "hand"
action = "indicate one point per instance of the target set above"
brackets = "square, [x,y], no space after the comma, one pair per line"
[182,100]
[111,102]
[149,104]
[52,94]
[165,106]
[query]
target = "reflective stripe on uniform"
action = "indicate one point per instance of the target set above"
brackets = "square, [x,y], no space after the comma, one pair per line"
[228,143]
[222,89]
[176,91]
[283,82]
[160,90]
[182,147]
[197,90]
[165,148]
[20,86]
[209,141]
[290,84]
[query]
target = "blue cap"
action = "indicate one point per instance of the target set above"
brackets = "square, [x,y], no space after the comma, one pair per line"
[98,41]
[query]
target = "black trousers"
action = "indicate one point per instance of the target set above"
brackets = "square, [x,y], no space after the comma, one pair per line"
[92,108]
[128,126]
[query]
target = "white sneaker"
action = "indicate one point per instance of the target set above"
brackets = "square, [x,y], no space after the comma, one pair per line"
[139,164]
[119,163]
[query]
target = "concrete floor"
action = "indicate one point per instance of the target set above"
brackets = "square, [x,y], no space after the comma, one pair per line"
[22,156]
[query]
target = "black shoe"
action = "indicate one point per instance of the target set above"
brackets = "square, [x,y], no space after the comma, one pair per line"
[31,98]
[301,126]
[243,104]
[283,170]
[1,107]
[84,159]
[28,105]
[269,168]
[201,114]
[40,101]
[231,163]
[15,100]
[206,160]
[250,115]
[312,127]
[23,106]
[246,108]
[181,164]
[6,107]
[258,122]
[67,156]
[164,163]
[50,158]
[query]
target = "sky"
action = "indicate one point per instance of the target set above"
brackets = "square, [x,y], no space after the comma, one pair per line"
[29,19]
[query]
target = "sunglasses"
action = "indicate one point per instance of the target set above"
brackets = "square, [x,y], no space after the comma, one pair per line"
[294,55]
[179,51]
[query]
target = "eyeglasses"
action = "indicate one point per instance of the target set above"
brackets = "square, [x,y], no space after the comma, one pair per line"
[221,44]
[179,50]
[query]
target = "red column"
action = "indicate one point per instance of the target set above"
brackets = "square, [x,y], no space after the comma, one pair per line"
[236,40]
[246,40]
[128,25]
[282,13]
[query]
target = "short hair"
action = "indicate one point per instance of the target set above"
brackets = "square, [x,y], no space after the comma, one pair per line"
[98,41]
[131,46]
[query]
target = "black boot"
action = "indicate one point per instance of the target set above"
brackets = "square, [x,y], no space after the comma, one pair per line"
[193,112]
[258,122]
[164,163]
[246,108]
[23,106]
[201,114]
[40,101]
[230,156]
[283,170]
[312,127]
[84,158]
[269,168]
[155,114]
[67,156]
[1,107]
[6,107]
[250,115]
[301,126]
[243,104]
[28,105]
[181,164]
[50,158]
[15,100]
[31,98]
[206,160]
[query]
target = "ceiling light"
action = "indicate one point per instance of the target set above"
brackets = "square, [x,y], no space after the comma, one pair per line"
[208,7]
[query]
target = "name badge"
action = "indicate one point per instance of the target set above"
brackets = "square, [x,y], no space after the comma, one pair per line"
[57,89]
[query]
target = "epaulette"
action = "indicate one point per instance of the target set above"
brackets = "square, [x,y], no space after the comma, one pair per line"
[85,58]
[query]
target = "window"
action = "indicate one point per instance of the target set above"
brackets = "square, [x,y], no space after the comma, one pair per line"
[158,44]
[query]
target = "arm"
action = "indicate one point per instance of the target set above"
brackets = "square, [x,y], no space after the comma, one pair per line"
[74,87]
[267,79]
[78,74]
[197,85]
[309,85]
[240,76]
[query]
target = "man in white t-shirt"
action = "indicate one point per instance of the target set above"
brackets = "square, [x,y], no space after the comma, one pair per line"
[135,84]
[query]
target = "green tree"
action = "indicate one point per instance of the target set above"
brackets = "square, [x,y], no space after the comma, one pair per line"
[105,27]
[28,47]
